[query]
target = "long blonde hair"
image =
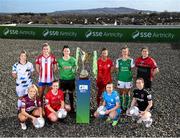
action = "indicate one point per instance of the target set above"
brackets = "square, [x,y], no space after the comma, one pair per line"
[33,86]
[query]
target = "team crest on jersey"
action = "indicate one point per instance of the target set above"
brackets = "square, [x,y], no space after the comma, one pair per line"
[117,98]
[108,65]
[45,60]
[142,62]
[142,95]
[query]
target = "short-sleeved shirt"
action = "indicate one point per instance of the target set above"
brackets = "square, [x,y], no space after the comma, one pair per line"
[29,104]
[46,68]
[104,70]
[145,68]
[24,73]
[124,69]
[111,99]
[67,68]
[54,100]
[142,97]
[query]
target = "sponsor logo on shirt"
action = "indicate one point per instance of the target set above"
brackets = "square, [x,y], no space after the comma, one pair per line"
[141,100]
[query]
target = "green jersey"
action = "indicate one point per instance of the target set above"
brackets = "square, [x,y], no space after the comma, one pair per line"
[124,69]
[67,68]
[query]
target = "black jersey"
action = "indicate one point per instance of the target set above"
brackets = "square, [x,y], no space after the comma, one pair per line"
[142,97]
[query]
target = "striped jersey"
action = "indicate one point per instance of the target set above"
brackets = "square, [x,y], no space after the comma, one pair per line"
[46,68]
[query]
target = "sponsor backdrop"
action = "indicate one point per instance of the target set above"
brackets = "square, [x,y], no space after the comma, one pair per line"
[109,34]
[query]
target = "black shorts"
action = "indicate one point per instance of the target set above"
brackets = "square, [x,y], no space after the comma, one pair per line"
[144,108]
[147,84]
[67,85]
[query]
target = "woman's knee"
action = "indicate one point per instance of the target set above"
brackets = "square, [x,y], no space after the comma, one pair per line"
[22,118]
[67,107]
[52,117]
[112,114]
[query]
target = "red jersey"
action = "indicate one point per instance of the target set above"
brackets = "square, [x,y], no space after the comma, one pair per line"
[54,100]
[46,68]
[145,67]
[104,70]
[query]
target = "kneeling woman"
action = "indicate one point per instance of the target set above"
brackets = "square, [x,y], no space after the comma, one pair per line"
[111,102]
[143,100]
[54,102]
[30,107]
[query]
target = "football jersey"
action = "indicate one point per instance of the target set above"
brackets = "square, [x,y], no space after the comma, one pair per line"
[145,67]
[104,70]
[67,68]
[111,99]
[54,100]
[46,68]
[142,97]
[29,104]
[24,73]
[124,69]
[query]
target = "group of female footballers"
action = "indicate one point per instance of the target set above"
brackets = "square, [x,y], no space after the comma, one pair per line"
[49,97]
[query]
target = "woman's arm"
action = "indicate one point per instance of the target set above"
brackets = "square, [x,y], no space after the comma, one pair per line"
[26,114]
[14,75]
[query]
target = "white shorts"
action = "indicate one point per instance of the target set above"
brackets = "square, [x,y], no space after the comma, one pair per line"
[21,91]
[124,85]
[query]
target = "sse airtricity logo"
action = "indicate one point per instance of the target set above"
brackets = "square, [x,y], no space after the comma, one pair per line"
[45,33]
[135,34]
[83,88]
[6,31]
[88,33]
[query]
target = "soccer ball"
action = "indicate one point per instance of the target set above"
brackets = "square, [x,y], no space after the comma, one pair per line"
[62,113]
[101,110]
[134,111]
[39,122]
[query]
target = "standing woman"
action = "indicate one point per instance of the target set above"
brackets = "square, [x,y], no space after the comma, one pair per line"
[46,65]
[124,67]
[104,70]
[146,68]
[22,72]
[67,72]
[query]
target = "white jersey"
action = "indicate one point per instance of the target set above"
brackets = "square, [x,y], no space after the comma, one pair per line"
[46,68]
[24,73]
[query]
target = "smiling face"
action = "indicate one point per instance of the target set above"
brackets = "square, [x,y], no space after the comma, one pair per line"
[55,86]
[46,50]
[125,52]
[32,92]
[23,57]
[66,52]
[145,53]
[104,54]
[139,84]
[109,88]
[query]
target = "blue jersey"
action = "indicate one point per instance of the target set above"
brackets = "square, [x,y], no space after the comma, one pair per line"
[111,99]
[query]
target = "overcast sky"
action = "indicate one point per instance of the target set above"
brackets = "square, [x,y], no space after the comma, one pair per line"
[60,5]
